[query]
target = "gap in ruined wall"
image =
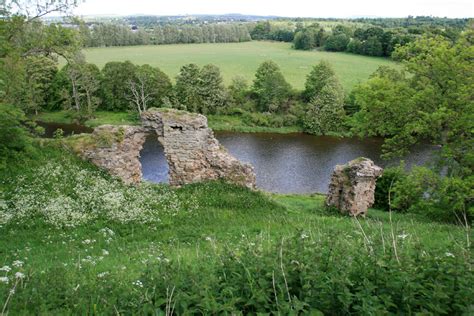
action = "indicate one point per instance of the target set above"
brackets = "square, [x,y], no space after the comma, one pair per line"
[152,158]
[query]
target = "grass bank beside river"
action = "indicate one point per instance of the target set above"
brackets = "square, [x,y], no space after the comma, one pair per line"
[216,122]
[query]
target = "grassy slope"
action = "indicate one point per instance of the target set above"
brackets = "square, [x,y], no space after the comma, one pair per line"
[243,59]
[60,277]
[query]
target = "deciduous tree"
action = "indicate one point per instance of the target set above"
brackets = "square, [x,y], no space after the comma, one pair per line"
[271,88]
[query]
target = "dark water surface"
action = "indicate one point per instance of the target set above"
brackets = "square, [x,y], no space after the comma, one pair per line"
[153,160]
[68,129]
[284,163]
[287,163]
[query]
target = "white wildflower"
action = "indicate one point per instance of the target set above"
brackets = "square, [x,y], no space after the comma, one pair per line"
[107,232]
[4,280]
[138,283]
[102,275]
[87,241]
[304,236]
[402,236]
[17,263]
[105,252]
[448,254]
[19,275]
[208,238]
[5,268]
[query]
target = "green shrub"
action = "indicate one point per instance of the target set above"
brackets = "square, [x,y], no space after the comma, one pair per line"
[439,198]
[385,184]
[235,111]
[15,134]
[290,120]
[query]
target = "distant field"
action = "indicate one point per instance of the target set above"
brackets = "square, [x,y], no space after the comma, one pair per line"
[242,59]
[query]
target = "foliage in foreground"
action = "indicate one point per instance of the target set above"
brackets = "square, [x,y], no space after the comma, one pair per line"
[314,274]
[425,192]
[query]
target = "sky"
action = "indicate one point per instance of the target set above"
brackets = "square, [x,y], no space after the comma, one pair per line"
[287,8]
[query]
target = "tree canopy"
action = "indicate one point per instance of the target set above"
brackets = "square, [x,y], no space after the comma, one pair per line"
[434,102]
[270,87]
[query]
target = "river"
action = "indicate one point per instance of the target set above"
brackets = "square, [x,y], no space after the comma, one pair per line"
[287,163]
[284,163]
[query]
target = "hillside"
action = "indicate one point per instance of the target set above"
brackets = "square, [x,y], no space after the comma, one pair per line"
[211,248]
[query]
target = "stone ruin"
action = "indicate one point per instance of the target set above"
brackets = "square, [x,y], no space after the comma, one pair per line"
[352,186]
[191,150]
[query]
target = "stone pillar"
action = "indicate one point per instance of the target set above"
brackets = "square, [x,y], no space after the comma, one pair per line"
[352,186]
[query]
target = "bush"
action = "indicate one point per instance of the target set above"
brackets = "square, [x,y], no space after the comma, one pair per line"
[385,184]
[269,119]
[236,111]
[424,191]
[15,135]
[290,120]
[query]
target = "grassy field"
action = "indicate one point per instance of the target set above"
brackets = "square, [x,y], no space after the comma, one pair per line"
[243,59]
[75,241]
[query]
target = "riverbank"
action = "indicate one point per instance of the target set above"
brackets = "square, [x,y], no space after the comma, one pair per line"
[216,122]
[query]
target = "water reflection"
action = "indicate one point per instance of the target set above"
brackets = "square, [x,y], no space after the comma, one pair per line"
[153,160]
[299,163]
[68,129]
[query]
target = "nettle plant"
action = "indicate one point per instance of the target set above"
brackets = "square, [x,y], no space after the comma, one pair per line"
[65,195]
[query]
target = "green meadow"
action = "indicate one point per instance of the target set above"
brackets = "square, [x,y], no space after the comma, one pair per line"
[242,59]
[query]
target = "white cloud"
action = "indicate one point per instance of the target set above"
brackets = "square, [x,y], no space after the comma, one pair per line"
[293,8]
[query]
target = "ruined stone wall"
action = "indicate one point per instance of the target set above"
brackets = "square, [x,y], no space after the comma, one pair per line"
[192,151]
[117,149]
[352,186]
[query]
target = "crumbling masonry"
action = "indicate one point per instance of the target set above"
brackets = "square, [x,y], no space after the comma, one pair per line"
[192,151]
[352,186]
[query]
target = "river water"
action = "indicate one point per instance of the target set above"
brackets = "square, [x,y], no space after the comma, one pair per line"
[287,163]
[284,163]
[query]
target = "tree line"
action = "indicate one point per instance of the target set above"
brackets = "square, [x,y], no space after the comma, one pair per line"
[370,41]
[115,34]
[83,88]
[373,39]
